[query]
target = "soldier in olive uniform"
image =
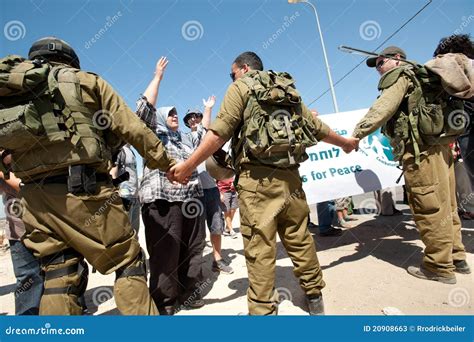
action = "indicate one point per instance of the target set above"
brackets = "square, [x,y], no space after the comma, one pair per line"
[429,180]
[67,220]
[271,198]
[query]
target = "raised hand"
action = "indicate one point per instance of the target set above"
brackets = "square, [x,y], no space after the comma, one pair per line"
[210,102]
[160,67]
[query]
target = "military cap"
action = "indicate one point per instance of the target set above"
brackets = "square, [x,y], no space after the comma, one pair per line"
[389,51]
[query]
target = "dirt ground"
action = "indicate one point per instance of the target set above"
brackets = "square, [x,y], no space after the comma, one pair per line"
[364,270]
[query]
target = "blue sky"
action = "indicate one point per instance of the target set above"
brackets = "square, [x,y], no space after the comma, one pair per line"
[131,35]
[140,31]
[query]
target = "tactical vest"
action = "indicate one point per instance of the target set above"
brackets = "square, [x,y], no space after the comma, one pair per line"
[274,131]
[426,117]
[43,120]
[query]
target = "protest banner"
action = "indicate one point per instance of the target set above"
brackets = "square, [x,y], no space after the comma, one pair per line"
[329,173]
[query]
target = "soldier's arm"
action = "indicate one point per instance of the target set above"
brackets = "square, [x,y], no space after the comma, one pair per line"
[210,144]
[383,108]
[230,114]
[321,129]
[126,125]
[324,133]
[221,130]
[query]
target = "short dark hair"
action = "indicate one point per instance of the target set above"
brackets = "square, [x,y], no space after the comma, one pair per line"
[251,59]
[456,43]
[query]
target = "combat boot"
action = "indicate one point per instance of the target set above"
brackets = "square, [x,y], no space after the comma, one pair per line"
[421,273]
[167,310]
[315,305]
[462,267]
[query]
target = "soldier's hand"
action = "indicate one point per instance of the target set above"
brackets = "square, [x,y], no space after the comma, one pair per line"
[172,179]
[179,173]
[351,144]
[160,67]
[211,101]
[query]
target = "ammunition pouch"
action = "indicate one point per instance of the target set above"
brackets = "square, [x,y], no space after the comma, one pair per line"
[81,180]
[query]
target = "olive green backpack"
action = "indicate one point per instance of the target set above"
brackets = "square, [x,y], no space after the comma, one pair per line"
[275,132]
[43,121]
[431,117]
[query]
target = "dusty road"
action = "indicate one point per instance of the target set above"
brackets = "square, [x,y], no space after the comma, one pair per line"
[364,270]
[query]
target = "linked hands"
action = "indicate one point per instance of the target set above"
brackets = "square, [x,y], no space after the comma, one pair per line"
[179,173]
[351,144]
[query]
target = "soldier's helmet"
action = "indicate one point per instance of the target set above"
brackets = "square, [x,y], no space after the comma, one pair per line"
[54,49]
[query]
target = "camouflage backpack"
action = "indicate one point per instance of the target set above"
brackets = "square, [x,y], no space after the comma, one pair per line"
[276,132]
[430,117]
[43,121]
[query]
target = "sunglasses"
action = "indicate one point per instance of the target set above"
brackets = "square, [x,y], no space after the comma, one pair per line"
[232,74]
[191,118]
[379,64]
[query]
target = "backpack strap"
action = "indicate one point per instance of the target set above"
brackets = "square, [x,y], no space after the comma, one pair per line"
[415,99]
[70,88]
[415,136]
[49,121]
[239,139]
[76,116]
[291,138]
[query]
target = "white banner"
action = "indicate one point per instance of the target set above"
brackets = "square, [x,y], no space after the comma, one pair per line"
[330,173]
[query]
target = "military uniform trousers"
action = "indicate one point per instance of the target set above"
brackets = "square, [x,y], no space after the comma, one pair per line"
[97,229]
[431,194]
[272,201]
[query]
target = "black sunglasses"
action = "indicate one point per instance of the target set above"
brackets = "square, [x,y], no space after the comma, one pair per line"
[192,117]
[382,62]
[232,74]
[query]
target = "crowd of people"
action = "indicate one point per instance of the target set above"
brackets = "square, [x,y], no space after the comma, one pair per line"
[177,197]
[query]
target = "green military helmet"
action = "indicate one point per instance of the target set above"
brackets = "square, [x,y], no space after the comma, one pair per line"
[218,166]
[55,49]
